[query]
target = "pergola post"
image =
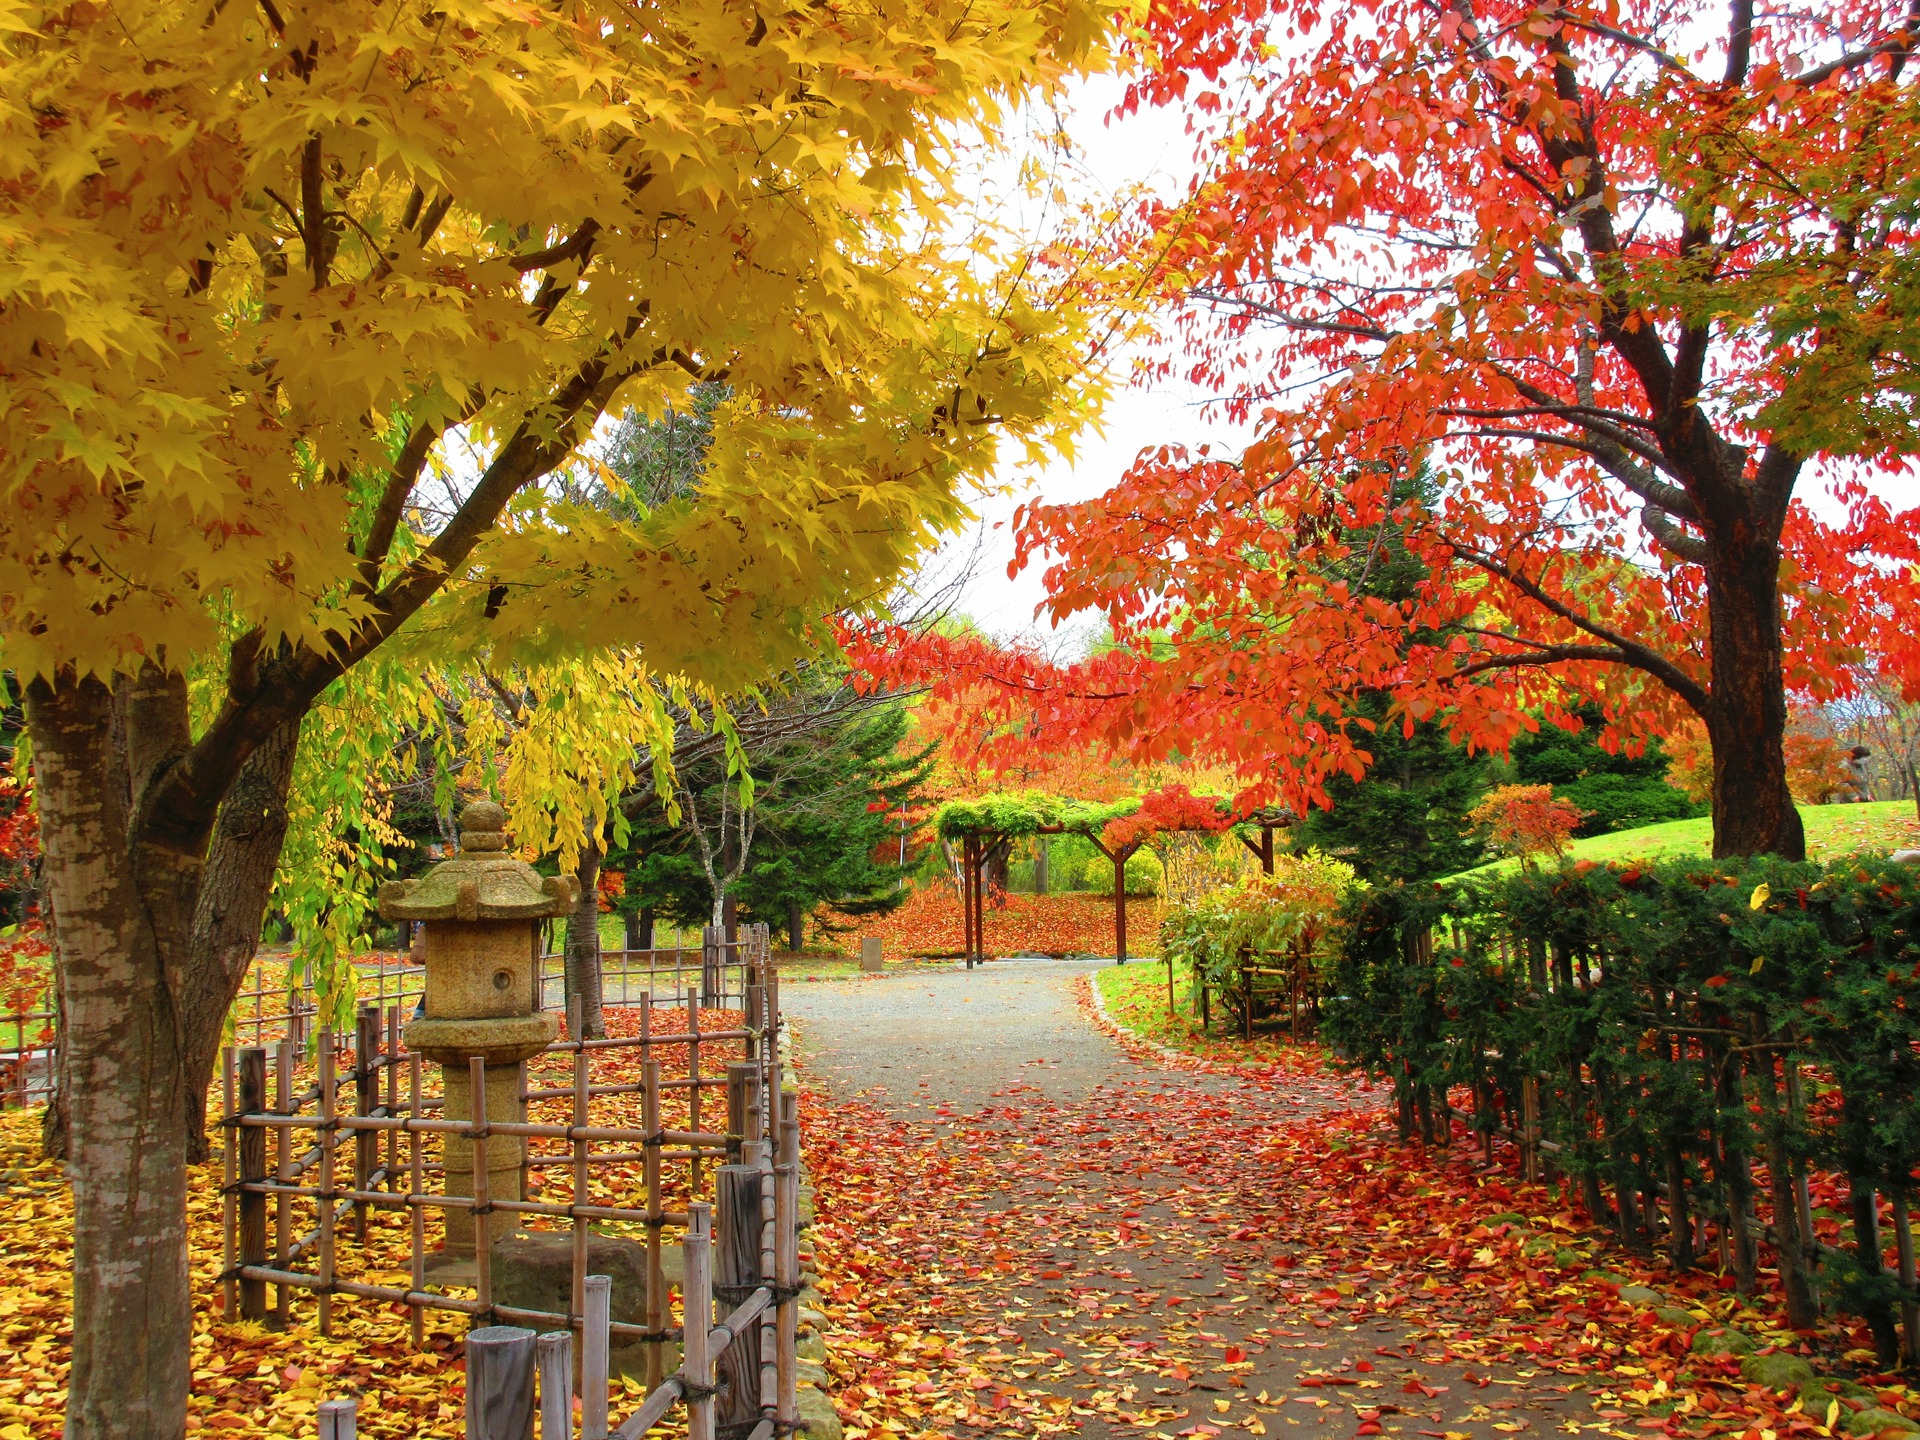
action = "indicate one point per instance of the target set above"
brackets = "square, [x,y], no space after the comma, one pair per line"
[1119,858]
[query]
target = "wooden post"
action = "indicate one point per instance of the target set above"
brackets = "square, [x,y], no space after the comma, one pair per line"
[1266,849]
[483,1204]
[743,1106]
[693,1090]
[283,1067]
[392,1067]
[736,1275]
[1903,1250]
[650,1173]
[251,1142]
[553,1359]
[582,1193]
[366,1099]
[326,1057]
[229,1168]
[416,1176]
[1120,903]
[338,1419]
[710,961]
[1246,994]
[697,1288]
[786,1272]
[500,1382]
[595,1359]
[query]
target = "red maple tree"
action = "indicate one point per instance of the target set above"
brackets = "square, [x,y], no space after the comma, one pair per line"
[1614,279]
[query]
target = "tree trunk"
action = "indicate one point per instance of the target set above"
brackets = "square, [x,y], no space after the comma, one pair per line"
[124,908]
[630,924]
[1753,813]
[1041,865]
[796,926]
[231,908]
[583,946]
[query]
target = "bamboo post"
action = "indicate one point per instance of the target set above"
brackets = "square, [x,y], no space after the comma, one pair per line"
[392,1068]
[483,1201]
[697,1288]
[416,1175]
[553,1360]
[786,1239]
[229,1169]
[736,1275]
[693,1090]
[500,1381]
[328,1136]
[251,1143]
[596,1360]
[577,1305]
[283,1066]
[366,1099]
[650,1172]
[339,1419]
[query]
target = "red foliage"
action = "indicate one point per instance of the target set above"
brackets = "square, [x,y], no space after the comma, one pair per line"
[1452,269]
[930,923]
[1170,808]
[611,885]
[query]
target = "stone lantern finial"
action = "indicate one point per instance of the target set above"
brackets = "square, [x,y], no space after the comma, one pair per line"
[483,826]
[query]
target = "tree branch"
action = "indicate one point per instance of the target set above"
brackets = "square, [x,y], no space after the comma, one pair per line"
[1633,653]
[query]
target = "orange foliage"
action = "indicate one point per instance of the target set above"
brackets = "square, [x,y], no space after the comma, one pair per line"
[1526,820]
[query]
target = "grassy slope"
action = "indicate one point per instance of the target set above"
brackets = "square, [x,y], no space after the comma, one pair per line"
[1831,830]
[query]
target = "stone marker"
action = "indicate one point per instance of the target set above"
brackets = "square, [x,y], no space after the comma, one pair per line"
[870,960]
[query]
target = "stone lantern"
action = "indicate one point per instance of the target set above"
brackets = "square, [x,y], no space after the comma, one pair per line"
[481,912]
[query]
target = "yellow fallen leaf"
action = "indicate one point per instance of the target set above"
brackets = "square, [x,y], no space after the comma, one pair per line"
[1762,893]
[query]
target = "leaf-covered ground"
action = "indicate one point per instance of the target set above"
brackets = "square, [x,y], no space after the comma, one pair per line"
[1070,923]
[1025,1229]
[249,1379]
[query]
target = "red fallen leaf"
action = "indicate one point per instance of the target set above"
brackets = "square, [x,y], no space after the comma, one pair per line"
[1235,1354]
[1716,982]
[1051,1275]
[1414,1387]
[1368,1427]
[1364,1366]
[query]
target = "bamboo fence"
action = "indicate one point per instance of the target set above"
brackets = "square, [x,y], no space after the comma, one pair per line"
[323,1145]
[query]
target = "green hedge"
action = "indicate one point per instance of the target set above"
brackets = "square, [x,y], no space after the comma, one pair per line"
[1023,814]
[1711,1048]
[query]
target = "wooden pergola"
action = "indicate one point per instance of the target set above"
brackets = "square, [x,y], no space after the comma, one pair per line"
[981,847]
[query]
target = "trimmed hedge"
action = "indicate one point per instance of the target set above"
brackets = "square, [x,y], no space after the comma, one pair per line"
[1696,1041]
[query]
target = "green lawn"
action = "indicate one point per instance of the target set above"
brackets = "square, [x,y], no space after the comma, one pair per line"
[1831,830]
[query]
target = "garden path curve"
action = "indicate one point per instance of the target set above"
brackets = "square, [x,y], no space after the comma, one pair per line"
[1083,1242]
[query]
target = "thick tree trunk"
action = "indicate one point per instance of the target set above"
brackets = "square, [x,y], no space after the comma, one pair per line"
[1753,813]
[796,926]
[124,911]
[583,946]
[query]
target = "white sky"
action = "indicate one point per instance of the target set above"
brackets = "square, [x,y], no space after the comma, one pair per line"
[1150,147]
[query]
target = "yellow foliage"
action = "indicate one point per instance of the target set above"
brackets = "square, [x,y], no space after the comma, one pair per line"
[301,302]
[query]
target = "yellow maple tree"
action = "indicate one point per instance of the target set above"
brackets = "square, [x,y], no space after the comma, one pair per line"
[303,306]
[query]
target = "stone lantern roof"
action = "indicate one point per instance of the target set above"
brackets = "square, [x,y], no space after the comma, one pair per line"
[482,882]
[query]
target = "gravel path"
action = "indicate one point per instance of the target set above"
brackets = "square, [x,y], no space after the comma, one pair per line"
[1120,1300]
